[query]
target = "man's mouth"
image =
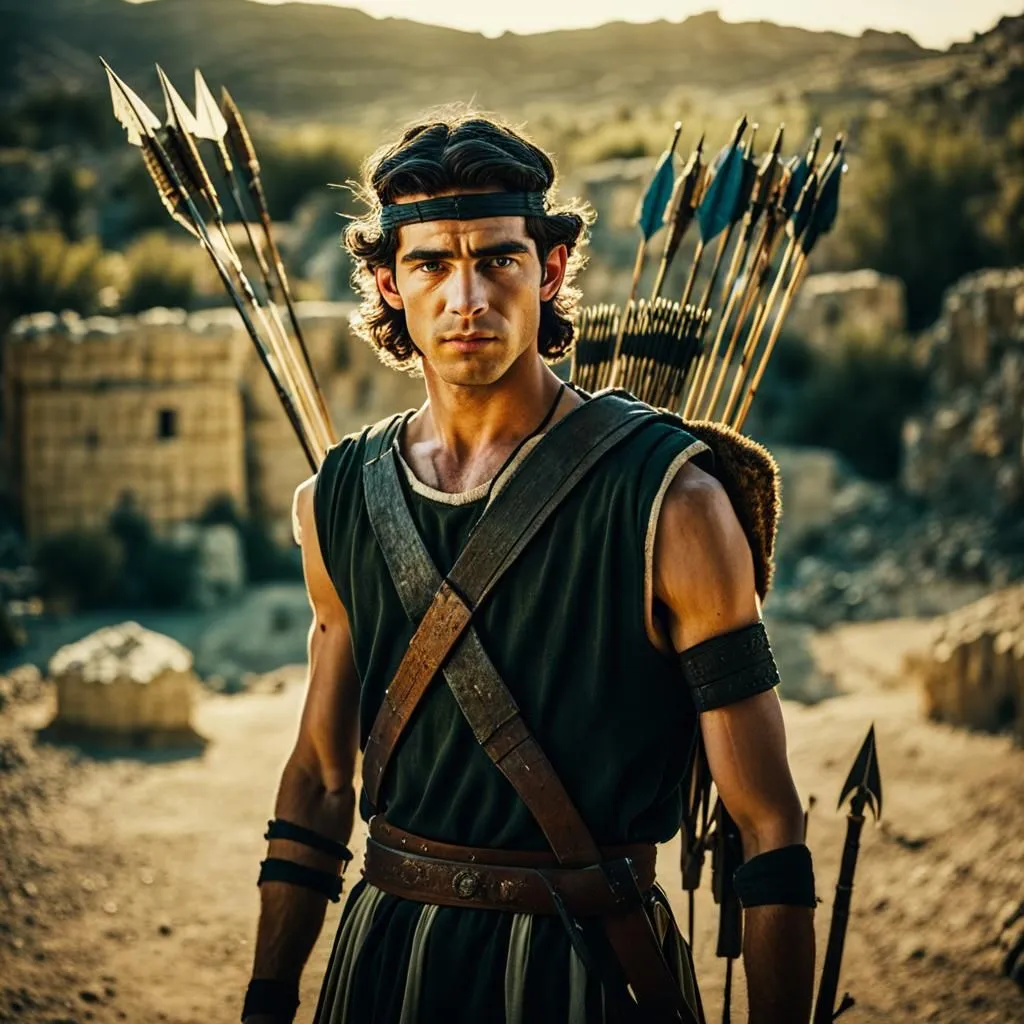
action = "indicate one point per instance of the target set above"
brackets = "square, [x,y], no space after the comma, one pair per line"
[468,342]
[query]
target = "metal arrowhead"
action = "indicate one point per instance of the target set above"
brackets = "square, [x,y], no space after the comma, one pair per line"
[210,122]
[132,114]
[865,777]
[178,114]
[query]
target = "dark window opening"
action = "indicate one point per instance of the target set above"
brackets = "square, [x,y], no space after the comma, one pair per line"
[167,424]
[92,440]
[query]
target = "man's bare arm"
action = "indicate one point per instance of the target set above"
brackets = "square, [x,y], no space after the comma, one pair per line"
[704,579]
[316,788]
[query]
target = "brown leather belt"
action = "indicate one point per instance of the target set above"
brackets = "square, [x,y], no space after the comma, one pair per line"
[522,882]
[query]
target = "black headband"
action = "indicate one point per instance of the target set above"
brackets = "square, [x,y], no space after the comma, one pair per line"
[464,207]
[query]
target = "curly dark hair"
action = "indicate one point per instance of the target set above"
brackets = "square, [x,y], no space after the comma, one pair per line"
[469,151]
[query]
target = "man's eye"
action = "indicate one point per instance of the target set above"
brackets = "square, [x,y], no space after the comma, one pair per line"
[430,267]
[502,262]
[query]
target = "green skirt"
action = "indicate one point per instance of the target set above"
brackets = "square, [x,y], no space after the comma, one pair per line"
[396,961]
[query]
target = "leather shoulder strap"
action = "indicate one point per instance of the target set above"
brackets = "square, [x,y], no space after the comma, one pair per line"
[563,457]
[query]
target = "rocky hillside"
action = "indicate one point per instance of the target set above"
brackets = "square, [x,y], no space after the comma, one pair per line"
[334,62]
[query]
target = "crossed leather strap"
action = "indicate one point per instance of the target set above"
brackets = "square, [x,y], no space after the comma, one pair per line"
[446,640]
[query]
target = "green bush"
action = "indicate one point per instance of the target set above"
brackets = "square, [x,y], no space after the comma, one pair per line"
[265,561]
[853,397]
[299,162]
[160,271]
[43,271]
[79,568]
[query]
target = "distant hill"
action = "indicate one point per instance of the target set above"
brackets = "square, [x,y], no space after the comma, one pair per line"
[321,62]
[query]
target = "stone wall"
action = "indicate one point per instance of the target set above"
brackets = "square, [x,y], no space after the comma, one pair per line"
[967,447]
[98,407]
[973,674]
[860,303]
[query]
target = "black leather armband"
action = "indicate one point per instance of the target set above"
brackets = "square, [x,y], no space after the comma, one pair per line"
[281,829]
[780,877]
[273,998]
[274,869]
[729,668]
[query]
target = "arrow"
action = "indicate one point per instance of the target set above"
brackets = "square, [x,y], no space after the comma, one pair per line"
[213,125]
[718,204]
[650,218]
[761,199]
[865,784]
[741,200]
[687,196]
[814,216]
[240,143]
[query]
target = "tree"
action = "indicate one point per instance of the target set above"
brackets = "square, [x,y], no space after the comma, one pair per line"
[915,209]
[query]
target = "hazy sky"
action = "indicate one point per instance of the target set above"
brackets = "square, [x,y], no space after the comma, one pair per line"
[934,23]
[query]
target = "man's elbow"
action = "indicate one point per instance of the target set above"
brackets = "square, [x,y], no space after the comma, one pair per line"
[775,826]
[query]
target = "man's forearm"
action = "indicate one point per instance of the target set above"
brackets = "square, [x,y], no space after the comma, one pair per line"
[291,916]
[778,957]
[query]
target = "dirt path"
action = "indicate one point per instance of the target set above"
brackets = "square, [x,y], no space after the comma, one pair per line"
[139,903]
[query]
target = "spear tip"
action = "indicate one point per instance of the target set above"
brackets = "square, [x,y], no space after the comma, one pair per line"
[865,777]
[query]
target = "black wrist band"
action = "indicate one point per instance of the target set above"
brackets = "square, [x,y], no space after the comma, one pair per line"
[281,829]
[783,877]
[272,998]
[274,869]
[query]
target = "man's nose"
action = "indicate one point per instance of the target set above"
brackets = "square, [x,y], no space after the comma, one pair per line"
[467,294]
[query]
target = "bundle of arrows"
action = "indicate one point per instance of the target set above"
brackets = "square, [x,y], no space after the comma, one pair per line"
[706,358]
[172,155]
[703,358]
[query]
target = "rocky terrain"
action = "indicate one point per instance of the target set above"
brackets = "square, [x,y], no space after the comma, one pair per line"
[127,886]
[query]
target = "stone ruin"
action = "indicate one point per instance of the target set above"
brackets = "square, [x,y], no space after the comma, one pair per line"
[125,687]
[859,303]
[973,674]
[966,450]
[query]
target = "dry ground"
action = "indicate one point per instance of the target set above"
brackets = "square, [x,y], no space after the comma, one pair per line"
[127,890]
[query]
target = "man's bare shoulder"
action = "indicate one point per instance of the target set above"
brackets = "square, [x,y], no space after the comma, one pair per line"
[703,567]
[302,508]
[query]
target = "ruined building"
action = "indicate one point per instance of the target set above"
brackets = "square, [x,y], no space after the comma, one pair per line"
[966,450]
[174,409]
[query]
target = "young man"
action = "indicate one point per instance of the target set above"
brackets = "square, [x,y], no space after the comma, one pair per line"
[523,643]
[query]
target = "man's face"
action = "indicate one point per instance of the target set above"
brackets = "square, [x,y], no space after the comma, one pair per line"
[471,291]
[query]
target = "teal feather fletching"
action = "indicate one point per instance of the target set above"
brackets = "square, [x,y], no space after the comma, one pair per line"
[717,209]
[654,205]
[826,209]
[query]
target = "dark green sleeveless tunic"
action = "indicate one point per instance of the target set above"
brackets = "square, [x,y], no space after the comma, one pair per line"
[566,630]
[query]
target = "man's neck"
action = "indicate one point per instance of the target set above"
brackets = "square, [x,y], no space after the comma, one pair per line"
[461,437]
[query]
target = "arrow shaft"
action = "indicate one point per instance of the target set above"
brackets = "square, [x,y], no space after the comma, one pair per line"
[787,299]
[746,298]
[706,361]
[824,1007]
[638,266]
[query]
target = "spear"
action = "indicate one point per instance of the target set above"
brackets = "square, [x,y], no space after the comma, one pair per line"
[684,206]
[650,218]
[181,128]
[141,126]
[748,176]
[820,221]
[760,201]
[240,143]
[865,784]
